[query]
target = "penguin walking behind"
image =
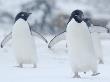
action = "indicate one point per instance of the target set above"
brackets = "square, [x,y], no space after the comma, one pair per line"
[80,45]
[23,43]
[97,45]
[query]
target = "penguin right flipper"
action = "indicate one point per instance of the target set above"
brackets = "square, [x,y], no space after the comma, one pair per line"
[57,38]
[6,39]
[39,36]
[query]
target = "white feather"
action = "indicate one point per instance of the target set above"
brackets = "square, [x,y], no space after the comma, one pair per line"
[80,47]
[97,46]
[23,43]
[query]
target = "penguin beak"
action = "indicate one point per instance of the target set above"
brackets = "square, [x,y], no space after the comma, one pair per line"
[69,20]
[29,13]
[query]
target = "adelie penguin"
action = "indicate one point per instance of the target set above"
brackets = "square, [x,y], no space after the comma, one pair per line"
[23,43]
[80,45]
[97,44]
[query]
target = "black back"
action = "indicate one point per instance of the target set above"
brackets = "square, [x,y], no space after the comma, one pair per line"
[88,21]
[77,15]
[22,15]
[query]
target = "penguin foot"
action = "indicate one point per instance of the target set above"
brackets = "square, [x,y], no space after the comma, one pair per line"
[95,74]
[34,66]
[101,61]
[49,46]
[1,46]
[76,75]
[21,65]
[84,72]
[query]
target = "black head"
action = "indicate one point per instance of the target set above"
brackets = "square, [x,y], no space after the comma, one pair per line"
[22,15]
[88,21]
[77,15]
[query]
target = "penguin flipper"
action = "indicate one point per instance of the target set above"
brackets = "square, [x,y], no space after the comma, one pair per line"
[39,36]
[6,39]
[57,39]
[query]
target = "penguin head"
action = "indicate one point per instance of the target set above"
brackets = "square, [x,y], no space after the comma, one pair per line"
[22,15]
[77,15]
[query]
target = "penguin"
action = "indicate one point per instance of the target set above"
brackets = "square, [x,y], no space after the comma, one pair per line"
[97,44]
[96,39]
[80,45]
[23,43]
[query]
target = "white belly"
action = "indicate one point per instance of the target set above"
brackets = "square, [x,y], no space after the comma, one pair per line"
[23,43]
[80,47]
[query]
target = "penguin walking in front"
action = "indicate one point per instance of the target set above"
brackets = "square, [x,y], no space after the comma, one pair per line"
[23,43]
[80,45]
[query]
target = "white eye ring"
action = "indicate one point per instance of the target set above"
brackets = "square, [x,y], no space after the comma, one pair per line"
[22,14]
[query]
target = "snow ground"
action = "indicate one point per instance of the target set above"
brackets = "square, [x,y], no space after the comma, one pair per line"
[53,65]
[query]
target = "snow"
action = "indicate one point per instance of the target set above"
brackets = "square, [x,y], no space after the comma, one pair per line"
[53,65]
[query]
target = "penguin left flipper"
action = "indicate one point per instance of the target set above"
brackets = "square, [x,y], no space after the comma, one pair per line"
[38,35]
[6,39]
[57,38]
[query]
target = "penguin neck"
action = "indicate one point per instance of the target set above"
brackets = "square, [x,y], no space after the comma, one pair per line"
[74,24]
[20,19]
[20,25]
